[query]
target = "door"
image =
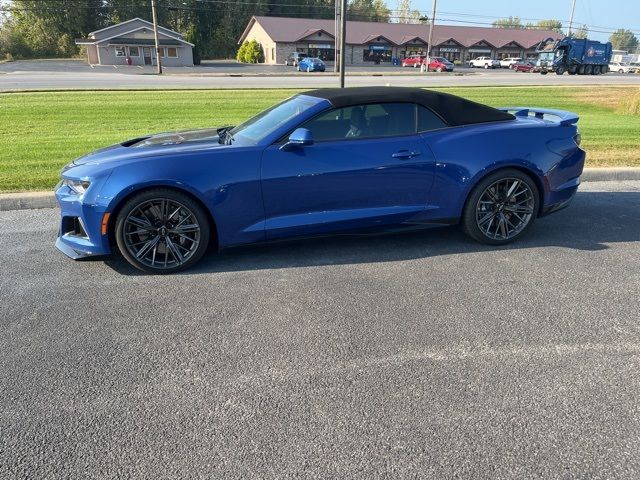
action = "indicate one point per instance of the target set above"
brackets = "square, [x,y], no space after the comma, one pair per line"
[147,55]
[367,167]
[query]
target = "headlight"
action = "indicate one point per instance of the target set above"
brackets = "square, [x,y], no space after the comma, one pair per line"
[78,186]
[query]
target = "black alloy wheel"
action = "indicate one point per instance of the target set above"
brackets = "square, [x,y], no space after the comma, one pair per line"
[501,207]
[162,231]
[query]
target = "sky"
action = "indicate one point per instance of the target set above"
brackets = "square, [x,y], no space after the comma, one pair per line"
[611,14]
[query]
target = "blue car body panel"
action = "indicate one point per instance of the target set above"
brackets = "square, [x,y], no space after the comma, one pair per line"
[311,64]
[264,192]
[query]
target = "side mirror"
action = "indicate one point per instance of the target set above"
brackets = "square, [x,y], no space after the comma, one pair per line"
[300,137]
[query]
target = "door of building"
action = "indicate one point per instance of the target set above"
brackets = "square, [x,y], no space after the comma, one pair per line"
[147,55]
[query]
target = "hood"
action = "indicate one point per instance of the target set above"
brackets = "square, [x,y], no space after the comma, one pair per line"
[152,145]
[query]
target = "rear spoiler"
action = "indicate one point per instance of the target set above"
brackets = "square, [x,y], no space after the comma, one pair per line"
[565,118]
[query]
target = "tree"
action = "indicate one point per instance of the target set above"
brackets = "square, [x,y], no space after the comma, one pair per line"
[510,22]
[406,14]
[250,52]
[582,32]
[555,25]
[368,10]
[623,39]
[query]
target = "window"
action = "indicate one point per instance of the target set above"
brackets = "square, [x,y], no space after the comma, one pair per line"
[367,121]
[172,52]
[120,52]
[134,52]
[257,128]
[427,120]
[163,52]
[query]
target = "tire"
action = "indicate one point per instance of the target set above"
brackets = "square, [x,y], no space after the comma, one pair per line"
[588,69]
[480,215]
[559,70]
[152,235]
[439,69]
[621,71]
[486,66]
[604,68]
[596,70]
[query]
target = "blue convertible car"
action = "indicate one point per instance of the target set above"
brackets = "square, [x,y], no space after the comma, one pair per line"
[326,161]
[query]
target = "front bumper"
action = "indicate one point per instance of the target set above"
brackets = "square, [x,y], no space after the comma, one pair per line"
[80,232]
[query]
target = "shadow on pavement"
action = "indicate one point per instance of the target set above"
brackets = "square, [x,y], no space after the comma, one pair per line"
[592,221]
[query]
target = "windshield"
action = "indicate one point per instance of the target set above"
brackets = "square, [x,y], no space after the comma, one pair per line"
[547,56]
[257,128]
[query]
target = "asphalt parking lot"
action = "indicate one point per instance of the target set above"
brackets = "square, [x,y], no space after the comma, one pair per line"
[421,355]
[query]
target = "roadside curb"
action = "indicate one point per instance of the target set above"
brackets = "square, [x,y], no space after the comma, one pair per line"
[32,200]
[26,201]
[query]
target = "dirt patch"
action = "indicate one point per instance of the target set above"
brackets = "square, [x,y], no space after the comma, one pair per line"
[623,100]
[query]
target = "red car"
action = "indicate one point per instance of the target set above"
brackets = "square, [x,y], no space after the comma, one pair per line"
[439,64]
[523,66]
[413,61]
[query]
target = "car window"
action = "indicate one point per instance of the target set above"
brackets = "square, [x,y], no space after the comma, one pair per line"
[427,120]
[364,121]
[257,128]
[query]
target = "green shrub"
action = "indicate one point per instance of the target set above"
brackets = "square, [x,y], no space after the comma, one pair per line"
[250,52]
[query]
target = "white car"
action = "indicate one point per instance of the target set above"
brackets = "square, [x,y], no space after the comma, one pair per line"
[484,62]
[509,62]
[621,67]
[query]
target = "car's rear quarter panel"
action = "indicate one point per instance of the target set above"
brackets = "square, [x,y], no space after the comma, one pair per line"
[465,155]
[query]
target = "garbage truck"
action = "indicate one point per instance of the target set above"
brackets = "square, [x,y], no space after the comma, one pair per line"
[573,55]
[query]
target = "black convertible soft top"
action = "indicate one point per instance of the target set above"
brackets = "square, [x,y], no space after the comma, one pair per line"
[453,110]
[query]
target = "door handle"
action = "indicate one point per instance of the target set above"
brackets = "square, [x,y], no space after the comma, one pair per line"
[404,154]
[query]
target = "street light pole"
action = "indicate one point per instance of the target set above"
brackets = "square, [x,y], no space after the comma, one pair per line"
[336,38]
[433,21]
[343,35]
[154,14]
[573,9]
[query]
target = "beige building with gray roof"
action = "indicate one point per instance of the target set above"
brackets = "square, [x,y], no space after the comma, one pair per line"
[369,42]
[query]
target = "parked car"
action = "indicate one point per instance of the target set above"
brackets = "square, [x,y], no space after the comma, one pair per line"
[621,67]
[324,161]
[484,62]
[509,62]
[438,64]
[311,65]
[524,66]
[413,61]
[294,58]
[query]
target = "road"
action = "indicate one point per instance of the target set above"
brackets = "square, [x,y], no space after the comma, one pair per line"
[420,355]
[76,75]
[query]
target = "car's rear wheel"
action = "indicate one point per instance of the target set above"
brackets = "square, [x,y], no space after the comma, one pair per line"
[501,207]
[162,231]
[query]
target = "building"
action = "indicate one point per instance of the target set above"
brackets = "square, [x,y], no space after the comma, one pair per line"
[132,42]
[368,42]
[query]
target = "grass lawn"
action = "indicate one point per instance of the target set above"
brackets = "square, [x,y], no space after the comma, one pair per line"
[41,132]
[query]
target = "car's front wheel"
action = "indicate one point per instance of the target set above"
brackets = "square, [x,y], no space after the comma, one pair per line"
[501,207]
[162,231]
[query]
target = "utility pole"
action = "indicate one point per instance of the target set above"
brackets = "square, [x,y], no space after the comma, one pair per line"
[573,9]
[433,21]
[155,34]
[336,38]
[343,36]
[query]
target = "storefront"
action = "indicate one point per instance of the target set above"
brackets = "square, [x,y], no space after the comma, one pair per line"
[450,53]
[478,52]
[413,49]
[324,51]
[380,53]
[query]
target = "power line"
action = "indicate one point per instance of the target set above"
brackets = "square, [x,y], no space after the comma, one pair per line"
[83,5]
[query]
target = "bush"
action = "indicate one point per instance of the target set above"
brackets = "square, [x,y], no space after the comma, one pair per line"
[250,52]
